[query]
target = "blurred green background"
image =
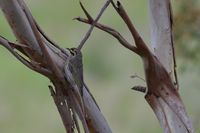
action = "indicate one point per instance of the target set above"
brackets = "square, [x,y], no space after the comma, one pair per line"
[25,102]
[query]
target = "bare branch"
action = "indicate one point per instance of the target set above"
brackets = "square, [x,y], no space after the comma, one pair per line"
[89,17]
[170,14]
[92,24]
[30,65]
[138,40]
[136,76]
[45,36]
[46,54]
[112,32]
[27,33]
[24,26]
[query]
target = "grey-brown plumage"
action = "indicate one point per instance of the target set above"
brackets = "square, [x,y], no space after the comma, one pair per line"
[76,68]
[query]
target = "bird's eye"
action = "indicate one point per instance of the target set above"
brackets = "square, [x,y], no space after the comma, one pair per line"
[73,51]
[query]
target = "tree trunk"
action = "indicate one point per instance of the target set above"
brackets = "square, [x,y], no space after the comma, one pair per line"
[161,21]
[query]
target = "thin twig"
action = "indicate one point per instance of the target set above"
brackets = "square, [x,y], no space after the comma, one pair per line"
[174,57]
[87,35]
[112,32]
[172,43]
[86,13]
[17,46]
[30,65]
[48,39]
[136,76]
[45,36]
[121,11]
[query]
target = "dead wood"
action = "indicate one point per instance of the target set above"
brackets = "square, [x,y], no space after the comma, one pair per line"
[62,66]
[160,87]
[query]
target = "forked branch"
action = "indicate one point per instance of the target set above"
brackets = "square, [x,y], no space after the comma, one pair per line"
[38,56]
[112,32]
[161,90]
[44,56]
[93,22]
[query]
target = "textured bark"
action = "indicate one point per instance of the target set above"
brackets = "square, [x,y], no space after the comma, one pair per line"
[49,59]
[73,99]
[162,45]
[161,94]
